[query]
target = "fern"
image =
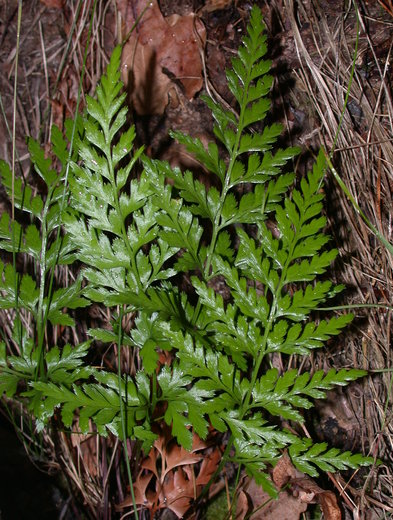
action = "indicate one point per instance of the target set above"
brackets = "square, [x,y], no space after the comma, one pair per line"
[137,235]
[43,247]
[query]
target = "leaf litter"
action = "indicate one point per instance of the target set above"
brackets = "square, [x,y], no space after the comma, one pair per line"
[297,492]
[172,477]
[161,56]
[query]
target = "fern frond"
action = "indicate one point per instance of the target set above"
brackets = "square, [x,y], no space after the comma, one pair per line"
[15,369]
[67,365]
[252,248]
[23,194]
[306,456]
[111,226]
[299,339]
[280,394]
[13,286]
[97,402]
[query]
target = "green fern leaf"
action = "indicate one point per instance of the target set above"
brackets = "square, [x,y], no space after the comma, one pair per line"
[66,366]
[13,286]
[183,403]
[96,402]
[208,157]
[301,339]
[22,194]
[42,165]
[306,456]
[279,394]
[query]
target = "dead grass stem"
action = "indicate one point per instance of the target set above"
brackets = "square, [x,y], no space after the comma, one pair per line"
[364,159]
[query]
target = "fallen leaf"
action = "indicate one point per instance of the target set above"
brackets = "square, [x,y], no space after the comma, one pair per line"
[177,492]
[208,467]
[329,506]
[178,456]
[170,477]
[162,54]
[291,502]
[309,491]
[150,463]
[263,507]
[284,471]
[242,505]
[140,488]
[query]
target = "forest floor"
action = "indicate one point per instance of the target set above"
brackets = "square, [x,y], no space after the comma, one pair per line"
[315,45]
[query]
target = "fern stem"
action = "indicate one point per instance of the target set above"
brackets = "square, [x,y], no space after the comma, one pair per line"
[154,393]
[115,194]
[227,183]
[257,365]
[41,316]
[123,411]
[135,24]
[226,187]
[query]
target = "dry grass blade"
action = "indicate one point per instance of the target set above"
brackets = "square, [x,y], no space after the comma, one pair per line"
[364,159]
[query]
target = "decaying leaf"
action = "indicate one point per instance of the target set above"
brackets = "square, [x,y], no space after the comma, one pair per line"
[309,491]
[284,471]
[170,477]
[300,491]
[162,54]
[286,507]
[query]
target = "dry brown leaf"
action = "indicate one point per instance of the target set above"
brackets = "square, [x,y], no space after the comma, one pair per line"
[160,54]
[286,507]
[140,488]
[308,491]
[305,488]
[291,502]
[178,456]
[284,471]
[177,492]
[169,477]
[150,463]
[242,505]
[208,467]
[329,505]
